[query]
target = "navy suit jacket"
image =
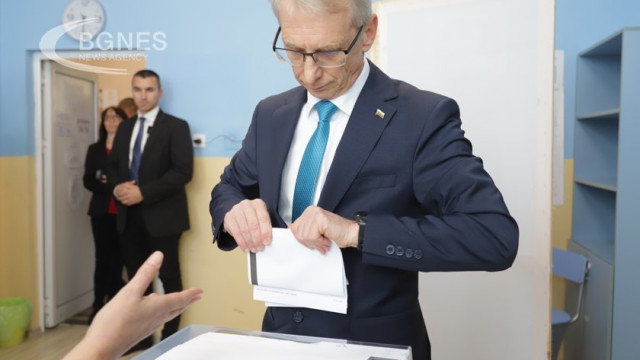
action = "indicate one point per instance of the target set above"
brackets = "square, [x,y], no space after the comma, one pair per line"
[431,205]
[166,166]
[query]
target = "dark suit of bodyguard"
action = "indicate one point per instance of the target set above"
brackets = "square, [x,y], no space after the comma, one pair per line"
[152,201]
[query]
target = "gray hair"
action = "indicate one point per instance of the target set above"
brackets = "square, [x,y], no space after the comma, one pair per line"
[360,10]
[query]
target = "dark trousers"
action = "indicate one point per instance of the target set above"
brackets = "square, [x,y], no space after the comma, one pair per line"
[137,245]
[107,277]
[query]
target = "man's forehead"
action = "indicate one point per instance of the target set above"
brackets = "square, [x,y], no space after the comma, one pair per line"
[149,81]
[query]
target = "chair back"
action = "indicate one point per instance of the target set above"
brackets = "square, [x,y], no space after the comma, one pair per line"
[571,266]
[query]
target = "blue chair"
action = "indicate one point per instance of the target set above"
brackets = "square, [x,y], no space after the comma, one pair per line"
[574,268]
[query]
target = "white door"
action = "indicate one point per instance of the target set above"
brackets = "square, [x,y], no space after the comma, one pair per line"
[70,100]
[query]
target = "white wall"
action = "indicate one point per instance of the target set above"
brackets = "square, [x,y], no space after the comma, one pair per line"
[495,57]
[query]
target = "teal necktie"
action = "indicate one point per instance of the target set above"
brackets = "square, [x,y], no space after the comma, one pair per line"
[311,160]
[137,153]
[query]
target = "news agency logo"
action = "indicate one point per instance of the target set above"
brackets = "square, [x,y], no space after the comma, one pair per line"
[105,46]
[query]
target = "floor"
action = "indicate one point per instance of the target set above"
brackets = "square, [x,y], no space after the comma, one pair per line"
[52,344]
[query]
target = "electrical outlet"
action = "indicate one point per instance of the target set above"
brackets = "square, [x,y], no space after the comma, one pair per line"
[199,140]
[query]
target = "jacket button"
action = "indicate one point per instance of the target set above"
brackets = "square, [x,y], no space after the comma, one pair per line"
[298,317]
[417,254]
[408,253]
[399,250]
[390,249]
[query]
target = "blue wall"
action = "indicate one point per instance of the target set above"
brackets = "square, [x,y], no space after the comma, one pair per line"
[217,64]
[580,24]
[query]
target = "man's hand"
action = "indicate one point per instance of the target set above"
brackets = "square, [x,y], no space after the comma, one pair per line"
[128,193]
[249,224]
[316,227]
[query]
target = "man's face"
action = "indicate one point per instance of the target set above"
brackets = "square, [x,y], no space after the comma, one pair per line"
[308,32]
[146,93]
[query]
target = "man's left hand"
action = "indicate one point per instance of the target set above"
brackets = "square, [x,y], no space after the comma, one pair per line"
[316,227]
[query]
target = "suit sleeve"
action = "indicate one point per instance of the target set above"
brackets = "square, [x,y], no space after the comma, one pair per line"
[91,166]
[238,182]
[465,224]
[181,168]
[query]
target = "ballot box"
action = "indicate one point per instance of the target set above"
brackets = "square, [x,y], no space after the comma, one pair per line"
[209,342]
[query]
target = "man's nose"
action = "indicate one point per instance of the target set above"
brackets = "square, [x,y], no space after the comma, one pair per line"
[311,70]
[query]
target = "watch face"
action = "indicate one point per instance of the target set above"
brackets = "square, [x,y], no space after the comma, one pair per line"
[76,11]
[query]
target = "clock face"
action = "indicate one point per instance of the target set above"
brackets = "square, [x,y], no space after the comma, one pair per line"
[91,11]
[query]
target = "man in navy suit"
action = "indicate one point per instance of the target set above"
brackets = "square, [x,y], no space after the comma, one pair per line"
[398,188]
[148,168]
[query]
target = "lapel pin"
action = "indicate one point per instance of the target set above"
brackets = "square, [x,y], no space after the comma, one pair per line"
[380,114]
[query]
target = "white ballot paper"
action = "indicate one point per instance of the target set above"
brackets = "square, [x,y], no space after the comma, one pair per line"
[240,347]
[286,273]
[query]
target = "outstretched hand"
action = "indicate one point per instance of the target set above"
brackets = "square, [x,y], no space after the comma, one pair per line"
[131,316]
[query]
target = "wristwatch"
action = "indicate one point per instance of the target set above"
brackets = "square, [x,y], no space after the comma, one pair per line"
[361,219]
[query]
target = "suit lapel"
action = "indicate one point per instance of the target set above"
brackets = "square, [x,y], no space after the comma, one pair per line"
[276,146]
[155,132]
[371,114]
[158,126]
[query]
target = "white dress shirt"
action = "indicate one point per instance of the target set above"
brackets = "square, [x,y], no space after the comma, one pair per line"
[150,118]
[307,124]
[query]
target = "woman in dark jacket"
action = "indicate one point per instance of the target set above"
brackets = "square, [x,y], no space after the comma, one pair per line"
[107,277]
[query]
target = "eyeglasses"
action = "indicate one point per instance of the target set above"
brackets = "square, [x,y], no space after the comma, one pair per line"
[325,58]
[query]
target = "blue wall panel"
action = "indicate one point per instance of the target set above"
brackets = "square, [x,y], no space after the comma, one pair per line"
[216,66]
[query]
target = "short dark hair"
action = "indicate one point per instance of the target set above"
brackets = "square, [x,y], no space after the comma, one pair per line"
[145,73]
[102,134]
[126,102]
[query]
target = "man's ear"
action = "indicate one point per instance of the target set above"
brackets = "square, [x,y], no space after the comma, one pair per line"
[369,33]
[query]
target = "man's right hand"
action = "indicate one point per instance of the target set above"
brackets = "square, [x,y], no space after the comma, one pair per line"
[249,224]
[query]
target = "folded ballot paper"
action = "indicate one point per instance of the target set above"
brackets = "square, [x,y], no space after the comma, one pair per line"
[286,273]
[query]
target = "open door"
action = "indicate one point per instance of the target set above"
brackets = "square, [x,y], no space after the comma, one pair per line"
[69,121]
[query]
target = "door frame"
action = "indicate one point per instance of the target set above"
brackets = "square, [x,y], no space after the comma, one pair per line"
[38,107]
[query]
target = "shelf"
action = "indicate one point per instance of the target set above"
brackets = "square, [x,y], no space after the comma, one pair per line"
[606,196]
[608,47]
[612,114]
[604,249]
[598,84]
[608,184]
[596,151]
[594,215]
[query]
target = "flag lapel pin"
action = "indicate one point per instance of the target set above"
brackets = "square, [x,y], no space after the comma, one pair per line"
[380,114]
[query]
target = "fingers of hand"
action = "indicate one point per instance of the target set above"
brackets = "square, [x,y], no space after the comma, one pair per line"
[172,305]
[310,229]
[249,224]
[146,273]
[264,222]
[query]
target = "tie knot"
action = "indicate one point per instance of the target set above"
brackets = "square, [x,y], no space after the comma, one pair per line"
[325,109]
[142,119]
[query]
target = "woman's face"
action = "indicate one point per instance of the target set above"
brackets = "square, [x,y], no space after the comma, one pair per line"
[111,122]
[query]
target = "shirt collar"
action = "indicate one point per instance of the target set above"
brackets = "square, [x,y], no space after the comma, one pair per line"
[347,101]
[150,117]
